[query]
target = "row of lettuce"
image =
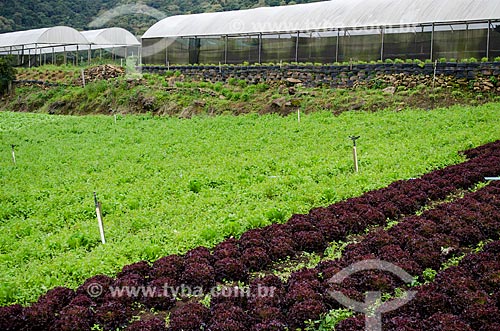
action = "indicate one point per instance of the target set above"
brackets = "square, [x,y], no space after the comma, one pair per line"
[414,244]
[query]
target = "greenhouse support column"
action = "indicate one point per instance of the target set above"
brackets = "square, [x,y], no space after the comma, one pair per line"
[77,55]
[65,55]
[89,54]
[166,51]
[488,41]
[337,47]
[466,39]
[36,51]
[382,32]
[53,56]
[225,49]
[297,47]
[432,41]
[260,48]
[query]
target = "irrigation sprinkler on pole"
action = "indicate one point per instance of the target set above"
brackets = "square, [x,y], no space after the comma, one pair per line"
[99,218]
[14,154]
[355,152]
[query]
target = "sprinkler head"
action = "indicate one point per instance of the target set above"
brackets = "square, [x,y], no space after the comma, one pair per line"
[354,138]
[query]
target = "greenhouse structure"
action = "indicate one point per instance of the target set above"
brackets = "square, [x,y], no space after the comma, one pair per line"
[41,46]
[330,31]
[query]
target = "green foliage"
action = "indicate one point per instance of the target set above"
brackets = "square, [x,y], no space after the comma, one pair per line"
[330,320]
[195,186]
[147,169]
[7,73]
[429,275]
[497,59]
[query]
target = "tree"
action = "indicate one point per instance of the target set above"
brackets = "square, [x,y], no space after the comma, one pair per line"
[7,74]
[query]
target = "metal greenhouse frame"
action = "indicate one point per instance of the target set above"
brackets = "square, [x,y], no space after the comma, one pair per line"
[32,46]
[329,31]
[118,41]
[30,43]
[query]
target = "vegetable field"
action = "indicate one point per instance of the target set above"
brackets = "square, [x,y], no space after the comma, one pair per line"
[169,185]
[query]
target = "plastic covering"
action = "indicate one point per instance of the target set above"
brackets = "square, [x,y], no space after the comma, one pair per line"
[326,15]
[102,39]
[111,37]
[39,38]
[329,31]
[29,46]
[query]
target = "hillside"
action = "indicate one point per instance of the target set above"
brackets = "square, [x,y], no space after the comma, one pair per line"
[19,15]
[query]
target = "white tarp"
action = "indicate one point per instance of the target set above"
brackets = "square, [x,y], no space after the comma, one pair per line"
[39,38]
[326,15]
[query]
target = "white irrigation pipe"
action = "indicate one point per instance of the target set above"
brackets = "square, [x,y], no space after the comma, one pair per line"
[355,152]
[14,154]
[99,218]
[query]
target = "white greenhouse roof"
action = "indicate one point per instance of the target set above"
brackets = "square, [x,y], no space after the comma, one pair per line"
[325,16]
[92,39]
[38,38]
[101,39]
[111,37]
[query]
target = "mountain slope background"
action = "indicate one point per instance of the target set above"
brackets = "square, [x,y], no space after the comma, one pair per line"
[18,15]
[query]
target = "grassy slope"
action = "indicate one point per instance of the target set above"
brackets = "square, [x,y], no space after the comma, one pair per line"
[247,171]
[170,94]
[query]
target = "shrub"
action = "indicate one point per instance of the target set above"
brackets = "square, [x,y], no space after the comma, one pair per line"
[112,315]
[74,318]
[169,266]
[11,318]
[190,317]
[153,324]
[255,259]
[230,269]
[305,311]
[199,274]
[7,73]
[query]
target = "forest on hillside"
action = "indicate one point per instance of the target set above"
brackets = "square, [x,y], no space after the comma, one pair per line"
[18,15]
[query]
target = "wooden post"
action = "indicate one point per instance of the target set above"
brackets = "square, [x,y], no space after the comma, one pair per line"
[298,115]
[99,218]
[83,77]
[355,152]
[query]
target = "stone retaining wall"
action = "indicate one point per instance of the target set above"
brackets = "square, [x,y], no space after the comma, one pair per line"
[342,76]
